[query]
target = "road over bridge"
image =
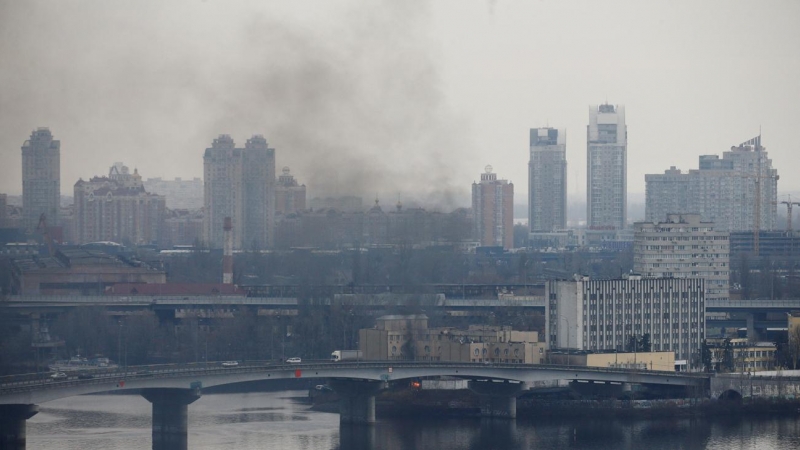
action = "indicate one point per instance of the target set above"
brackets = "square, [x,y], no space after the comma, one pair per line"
[171,389]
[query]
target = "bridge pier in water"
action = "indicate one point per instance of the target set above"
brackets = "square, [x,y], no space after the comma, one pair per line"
[357,400]
[13,428]
[170,416]
[497,399]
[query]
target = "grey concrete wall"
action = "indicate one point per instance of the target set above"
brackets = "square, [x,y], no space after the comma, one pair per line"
[755,386]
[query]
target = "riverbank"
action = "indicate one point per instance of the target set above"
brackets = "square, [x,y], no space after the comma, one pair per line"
[464,403]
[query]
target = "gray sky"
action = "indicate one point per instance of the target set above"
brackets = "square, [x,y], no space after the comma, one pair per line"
[395,98]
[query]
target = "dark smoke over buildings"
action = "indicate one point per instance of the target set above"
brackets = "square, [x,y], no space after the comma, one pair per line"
[353,104]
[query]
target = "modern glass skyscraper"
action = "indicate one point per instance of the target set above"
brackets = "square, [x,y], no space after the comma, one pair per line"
[547,180]
[606,168]
[41,178]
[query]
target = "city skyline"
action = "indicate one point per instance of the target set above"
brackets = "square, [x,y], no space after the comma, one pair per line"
[346,109]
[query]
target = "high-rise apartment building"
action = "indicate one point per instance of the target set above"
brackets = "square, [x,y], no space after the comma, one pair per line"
[684,247]
[602,315]
[733,191]
[239,183]
[547,180]
[222,189]
[41,178]
[289,195]
[258,183]
[606,168]
[493,211]
[117,208]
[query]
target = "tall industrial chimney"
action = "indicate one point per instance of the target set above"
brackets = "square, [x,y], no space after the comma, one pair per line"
[227,256]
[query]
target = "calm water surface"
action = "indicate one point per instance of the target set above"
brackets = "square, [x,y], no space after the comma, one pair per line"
[279,421]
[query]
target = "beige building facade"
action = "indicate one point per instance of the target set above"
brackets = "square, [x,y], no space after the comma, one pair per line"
[409,338]
[661,361]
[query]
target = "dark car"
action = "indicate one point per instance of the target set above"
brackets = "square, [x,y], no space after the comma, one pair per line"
[85,376]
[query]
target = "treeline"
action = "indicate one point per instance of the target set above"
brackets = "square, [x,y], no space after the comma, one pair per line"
[392,266]
[217,335]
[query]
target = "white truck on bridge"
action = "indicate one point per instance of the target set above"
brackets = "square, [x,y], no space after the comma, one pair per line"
[346,355]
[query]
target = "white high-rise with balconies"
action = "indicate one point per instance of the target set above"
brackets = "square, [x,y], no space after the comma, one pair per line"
[683,246]
[606,168]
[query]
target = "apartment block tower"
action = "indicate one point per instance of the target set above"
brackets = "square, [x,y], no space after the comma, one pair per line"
[493,211]
[734,192]
[239,183]
[547,180]
[606,168]
[117,208]
[683,246]
[41,178]
[289,195]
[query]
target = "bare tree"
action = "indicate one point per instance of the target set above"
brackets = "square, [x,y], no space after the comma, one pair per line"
[794,344]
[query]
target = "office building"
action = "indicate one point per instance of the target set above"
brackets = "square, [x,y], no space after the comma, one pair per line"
[723,190]
[41,178]
[117,208]
[239,183]
[547,180]
[683,246]
[289,195]
[606,168]
[603,315]
[493,211]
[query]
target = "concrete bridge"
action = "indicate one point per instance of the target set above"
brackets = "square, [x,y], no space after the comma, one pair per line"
[171,389]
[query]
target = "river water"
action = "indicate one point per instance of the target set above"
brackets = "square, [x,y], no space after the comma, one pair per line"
[279,421]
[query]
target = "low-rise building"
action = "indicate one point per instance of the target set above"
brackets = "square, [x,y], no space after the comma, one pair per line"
[78,272]
[409,338]
[663,361]
[745,356]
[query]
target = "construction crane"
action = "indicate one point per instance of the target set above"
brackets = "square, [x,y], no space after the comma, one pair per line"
[789,204]
[756,143]
[42,228]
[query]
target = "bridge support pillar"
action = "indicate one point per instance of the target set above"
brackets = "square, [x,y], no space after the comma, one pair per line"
[498,400]
[170,416]
[357,400]
[13,425]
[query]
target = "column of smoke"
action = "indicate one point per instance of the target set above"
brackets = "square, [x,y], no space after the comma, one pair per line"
[227,257]
[357,105]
